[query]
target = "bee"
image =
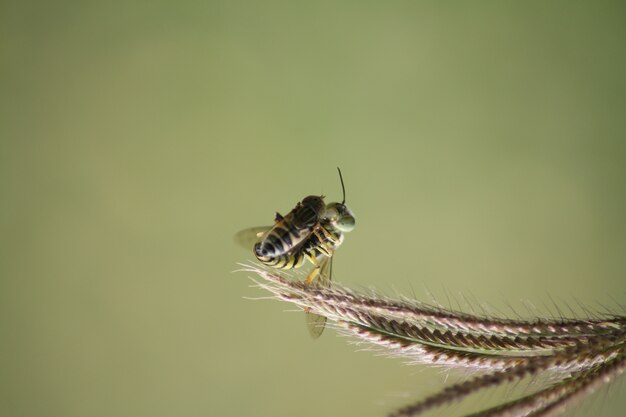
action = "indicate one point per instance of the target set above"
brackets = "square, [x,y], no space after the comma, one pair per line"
[311,231]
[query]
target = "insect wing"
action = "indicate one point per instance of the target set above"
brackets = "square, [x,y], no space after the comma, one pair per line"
[326,272]
[317,323]
[248,237]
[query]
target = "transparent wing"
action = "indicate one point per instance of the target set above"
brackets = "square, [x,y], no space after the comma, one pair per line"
[314,322]
[248,237]
[326,272]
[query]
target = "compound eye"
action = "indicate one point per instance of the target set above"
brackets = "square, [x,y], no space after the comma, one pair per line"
[346,223]
[332,212]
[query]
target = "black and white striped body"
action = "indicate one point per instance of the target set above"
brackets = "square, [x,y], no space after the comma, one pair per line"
[323,241]
[290,231]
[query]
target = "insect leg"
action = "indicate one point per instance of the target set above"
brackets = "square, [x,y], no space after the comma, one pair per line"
[328,235]
[316,270]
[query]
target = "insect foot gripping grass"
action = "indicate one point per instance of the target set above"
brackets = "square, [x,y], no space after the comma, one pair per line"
[578,355]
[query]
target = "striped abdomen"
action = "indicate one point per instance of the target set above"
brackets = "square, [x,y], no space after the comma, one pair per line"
[291,230]
[283,237]
[286,261]
[323,241]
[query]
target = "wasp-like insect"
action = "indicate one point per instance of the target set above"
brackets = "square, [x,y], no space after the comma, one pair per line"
[313,230]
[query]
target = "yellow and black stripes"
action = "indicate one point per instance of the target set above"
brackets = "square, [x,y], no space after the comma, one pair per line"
[323,241]
[291,230]
[286,261]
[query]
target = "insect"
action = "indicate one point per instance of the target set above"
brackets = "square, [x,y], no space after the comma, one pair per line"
[311,231]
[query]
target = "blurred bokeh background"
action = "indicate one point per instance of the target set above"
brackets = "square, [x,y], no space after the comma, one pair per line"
[483,146]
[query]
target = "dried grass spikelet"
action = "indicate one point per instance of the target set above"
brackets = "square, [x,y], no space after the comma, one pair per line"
[580,354]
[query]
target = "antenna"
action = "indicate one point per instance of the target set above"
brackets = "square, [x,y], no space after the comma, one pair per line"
[343,188]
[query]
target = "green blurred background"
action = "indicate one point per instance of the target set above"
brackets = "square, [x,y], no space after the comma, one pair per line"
[483,146]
